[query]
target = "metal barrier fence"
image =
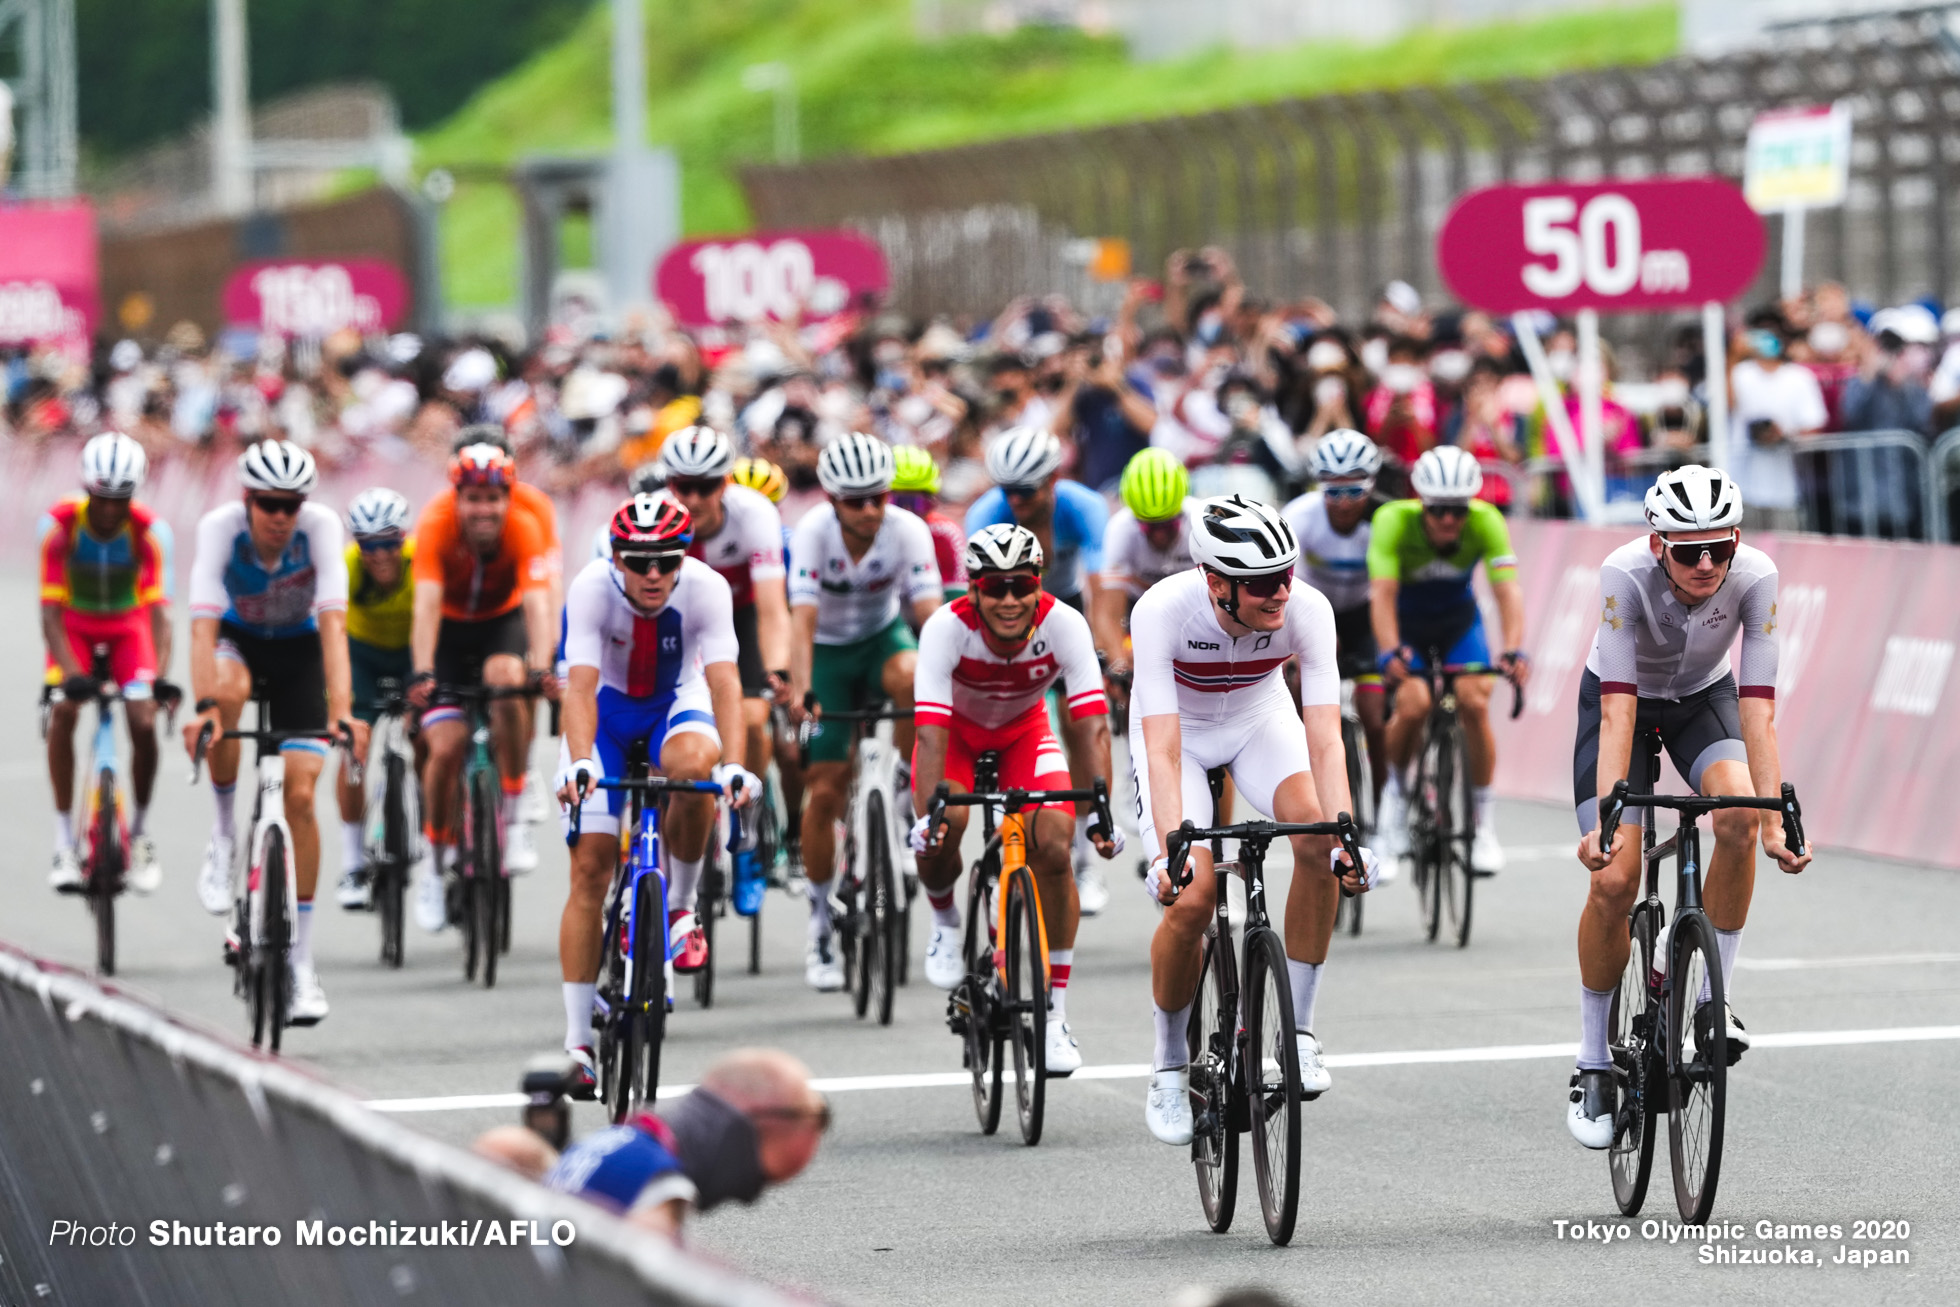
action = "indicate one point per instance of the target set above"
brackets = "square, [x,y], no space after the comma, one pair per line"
[120,1128]
[1336,194]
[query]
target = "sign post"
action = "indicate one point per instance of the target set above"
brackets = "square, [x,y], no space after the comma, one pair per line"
[1623,246]
[1797,160]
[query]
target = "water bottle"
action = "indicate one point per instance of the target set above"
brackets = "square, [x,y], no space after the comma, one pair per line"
[1658,973]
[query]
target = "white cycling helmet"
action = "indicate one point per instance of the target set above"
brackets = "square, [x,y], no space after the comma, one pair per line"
[378,513]
[1343,455]
[277,465]
[1023,456]
[113,466]
[1002,547]
[697,452]
[1447,475]
[855,464]
[1235,536]
[1693,498]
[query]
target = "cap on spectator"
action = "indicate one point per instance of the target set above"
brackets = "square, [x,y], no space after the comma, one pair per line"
[1912,323]
[126,356]
[1403,298]
[469,372]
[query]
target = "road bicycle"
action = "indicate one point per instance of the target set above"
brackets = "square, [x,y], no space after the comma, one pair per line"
[258,947]
[1442,807]
[1361,793]
[391,827]
[1668,1057]
[482,886]
[1244,1057]
[876,908]
[1003,1001]
[629,1008]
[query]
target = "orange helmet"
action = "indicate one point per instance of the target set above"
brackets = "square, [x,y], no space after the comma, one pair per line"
[482,465]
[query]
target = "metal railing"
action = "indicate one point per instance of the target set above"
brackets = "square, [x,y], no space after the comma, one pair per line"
[120,1126]
[1943,465]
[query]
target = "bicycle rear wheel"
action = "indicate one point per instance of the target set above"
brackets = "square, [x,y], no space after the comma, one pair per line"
[708,906]
[1209,1040]
[486,869]
[882,917]
[105,872]
[1698,1084]
[1272,1082]
[1631,1158]
[1027,1003]
[1456,827]
[391,871]
[1425,840]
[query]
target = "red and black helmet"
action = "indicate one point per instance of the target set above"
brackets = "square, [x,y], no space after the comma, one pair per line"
[652,524]
[482,465]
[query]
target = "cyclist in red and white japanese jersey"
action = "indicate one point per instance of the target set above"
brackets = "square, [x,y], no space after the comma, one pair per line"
[1209,646]
[986,664]
[650,650]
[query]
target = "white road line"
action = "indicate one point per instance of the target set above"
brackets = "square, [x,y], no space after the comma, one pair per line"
[1870,960]
[1140,1070]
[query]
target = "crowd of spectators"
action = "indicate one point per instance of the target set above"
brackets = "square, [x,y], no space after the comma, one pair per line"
[1194,362]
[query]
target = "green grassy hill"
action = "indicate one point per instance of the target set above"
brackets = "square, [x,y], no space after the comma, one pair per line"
[868,85]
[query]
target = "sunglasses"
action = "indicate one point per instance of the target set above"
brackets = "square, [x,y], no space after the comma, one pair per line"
[1020,492]
[1690,554]
[378,546]
[1265,587]
[862,502]
[1001,587]
[1345,492]
[698,489]
[818,1116]
[641,564]
[1447,512]
[277,505]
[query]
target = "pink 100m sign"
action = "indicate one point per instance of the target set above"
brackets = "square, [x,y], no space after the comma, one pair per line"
[317,297]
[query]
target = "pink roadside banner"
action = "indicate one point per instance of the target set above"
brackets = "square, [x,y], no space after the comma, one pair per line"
[807,275]
[1866,702]
[49,273]
[317,297]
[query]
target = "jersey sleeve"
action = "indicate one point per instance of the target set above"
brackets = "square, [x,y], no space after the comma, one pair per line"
[921,563]
[1756,673]
[1500,560]
[712,615]
[165,541]
[764,543]
[932,682]
[1119,536]
[806,557]
[1312,618]
[1094,516]
[1619,620]
[1154,681]
[328,546]
[54,560]
[151,561]
[1075,650]
[532,549]
[215,531]
[585,617]
[1384,541]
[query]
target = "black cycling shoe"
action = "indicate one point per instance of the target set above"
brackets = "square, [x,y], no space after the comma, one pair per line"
[583,1082]
[1591,1108]
[1738,1042]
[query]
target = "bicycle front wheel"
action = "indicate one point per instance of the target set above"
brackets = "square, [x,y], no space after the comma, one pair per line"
[486,869]
[972,1007]
[882,919]
[391,870]
[1631,1158]
[274,945]
[1426,841]
[1456,828]
[643,1020]
[1699,1065]
[1210,1040]
[105,872]
[1027,1003]
[1272,1083]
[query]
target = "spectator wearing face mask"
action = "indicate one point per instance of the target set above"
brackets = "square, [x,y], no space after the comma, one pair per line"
[1401,409]
[1775,404]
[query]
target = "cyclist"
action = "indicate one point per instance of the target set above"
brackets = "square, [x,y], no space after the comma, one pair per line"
[915,488]
[1147,539]
[761,476]
[1210,645]
[1674,604]
[1332,523]
[105,579]
[739,534]
[1422,554]
[269,612]
[767,480]
[856,564]
[653,660]
[1066,516]
[482,615]
[986,664]
[380,610]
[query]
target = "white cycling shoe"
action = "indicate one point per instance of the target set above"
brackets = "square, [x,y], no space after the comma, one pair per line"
[821,970]
[1314,1080]
[1589,1108]
[944,965]
[1064,1055]
[531,808]
[67,873]
[520,854]
[309,1005]
[1167,1111]
[214,877]
[1486,854]
[144,875]
[1392,825]
[1091,890]
[431,898]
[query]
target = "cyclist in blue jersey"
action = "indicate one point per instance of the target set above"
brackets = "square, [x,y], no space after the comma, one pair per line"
[1066,516]
[269,611]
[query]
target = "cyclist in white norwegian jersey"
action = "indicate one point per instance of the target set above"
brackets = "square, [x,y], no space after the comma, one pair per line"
[1209,645]
[986,664]
[855,560]
[1332,523]
[1674,603]
[650,646]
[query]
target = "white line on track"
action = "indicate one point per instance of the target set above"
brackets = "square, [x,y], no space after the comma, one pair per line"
[1870,960]
[1139,1070]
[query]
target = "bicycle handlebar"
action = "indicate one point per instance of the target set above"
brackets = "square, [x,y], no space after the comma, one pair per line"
[644,785]
[1694,805]
[1259,833]
[1015,800]
[341,737]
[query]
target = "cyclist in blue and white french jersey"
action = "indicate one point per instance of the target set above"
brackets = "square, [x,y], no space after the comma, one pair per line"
[650,648]
[1067,517]
[269,610]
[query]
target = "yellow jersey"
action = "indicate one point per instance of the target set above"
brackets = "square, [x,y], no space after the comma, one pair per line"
[378,617]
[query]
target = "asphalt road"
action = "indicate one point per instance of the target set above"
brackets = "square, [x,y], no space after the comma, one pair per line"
[1427,1178]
